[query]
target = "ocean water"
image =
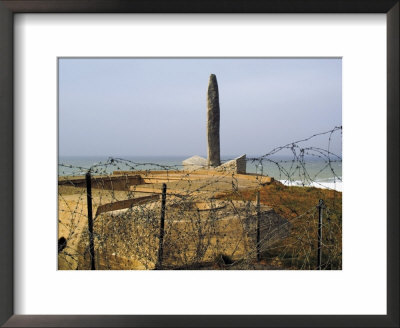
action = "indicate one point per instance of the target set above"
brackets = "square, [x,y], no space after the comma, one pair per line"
[308,172]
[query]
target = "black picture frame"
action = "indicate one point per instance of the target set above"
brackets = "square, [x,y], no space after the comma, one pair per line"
[10,7]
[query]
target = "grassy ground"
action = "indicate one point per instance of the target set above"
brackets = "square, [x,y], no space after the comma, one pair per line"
[298,204]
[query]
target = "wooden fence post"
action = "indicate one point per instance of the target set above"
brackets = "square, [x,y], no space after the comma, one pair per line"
[258,245]
[161,238]
[320,207]
[90,218]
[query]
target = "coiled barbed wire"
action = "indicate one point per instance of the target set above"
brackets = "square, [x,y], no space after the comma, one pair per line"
[211,217]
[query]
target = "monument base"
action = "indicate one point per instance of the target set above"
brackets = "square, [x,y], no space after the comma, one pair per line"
[237,165]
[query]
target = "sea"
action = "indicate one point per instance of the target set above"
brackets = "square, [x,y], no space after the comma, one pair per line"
[307,172]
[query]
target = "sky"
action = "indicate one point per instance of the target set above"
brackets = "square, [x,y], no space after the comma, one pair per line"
[157,107]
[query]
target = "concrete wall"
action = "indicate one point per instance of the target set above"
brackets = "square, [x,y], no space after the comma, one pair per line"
[237,165]
[121,182]
[196,232]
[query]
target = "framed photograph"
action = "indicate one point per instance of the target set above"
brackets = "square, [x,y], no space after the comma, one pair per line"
[241,206]
[199,164]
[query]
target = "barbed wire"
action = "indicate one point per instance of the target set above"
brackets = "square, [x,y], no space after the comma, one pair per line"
[212,218]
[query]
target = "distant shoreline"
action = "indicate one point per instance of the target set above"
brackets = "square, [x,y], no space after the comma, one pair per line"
[318,174]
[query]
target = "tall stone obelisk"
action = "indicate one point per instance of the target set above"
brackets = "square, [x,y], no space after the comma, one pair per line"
[213,122]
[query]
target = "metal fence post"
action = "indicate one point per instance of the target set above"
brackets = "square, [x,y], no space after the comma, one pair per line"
[320,206]
[90,218]
[258,246]
[161,239]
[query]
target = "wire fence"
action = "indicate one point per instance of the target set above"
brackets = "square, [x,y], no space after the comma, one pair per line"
[127,215]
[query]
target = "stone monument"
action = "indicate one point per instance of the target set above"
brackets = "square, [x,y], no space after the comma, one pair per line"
[213,151]
[213,161]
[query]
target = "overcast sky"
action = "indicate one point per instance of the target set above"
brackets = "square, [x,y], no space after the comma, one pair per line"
[117,107]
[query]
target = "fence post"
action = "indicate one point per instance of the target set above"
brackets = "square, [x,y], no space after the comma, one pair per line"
[161,239]
[90,218]
[320,206]
[258,246]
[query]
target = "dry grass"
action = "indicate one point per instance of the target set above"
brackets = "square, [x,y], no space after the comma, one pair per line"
[300,249]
